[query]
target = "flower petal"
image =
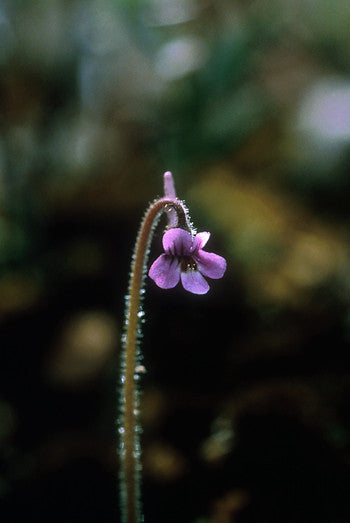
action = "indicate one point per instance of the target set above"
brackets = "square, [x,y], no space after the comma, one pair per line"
[194,282]
[210,264]
[165,271]
[200,240]
[177,242]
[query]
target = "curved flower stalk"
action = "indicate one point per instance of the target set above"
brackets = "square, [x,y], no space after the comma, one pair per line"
[185,259]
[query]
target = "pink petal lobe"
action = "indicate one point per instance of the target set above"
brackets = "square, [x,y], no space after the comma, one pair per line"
[210,264]
[165,271]
[194,282]
[177,242]
[200,240]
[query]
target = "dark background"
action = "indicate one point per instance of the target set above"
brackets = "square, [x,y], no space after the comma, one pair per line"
[245,400]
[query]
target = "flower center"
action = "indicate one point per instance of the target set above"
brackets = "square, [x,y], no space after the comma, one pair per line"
[187,263]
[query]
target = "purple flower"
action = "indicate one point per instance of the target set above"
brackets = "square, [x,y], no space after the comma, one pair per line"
[184,258]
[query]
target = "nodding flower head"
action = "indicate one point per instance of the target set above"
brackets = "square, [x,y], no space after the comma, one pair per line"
[184,258]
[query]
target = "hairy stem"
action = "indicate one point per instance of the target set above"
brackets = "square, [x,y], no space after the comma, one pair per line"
[128,428]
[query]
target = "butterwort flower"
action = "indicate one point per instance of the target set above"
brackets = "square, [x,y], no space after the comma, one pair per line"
[184,258]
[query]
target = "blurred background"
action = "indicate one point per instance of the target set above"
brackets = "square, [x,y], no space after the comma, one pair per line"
[246,396]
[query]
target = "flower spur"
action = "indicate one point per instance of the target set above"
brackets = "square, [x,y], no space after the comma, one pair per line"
[185,259]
